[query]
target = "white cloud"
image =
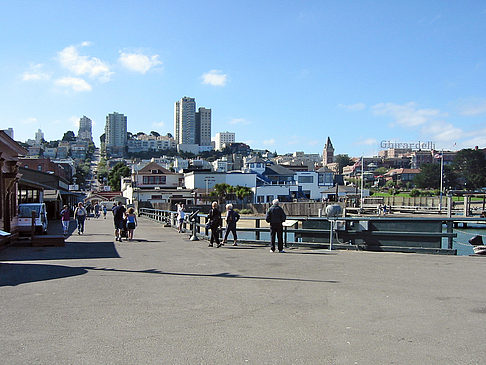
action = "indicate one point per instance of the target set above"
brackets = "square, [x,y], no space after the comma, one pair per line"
[407,115]
[269,142]
[353,107]
[31,120]
[158,124]
[241,121]
[74,121]
[138,62]
[367,142]
[35,73]
[75,83]
[474,108]
[215,78]
[70,59]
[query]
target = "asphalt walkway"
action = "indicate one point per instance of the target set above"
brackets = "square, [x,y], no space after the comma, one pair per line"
[163,299]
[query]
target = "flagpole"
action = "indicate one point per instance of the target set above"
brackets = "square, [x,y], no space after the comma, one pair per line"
[441,179]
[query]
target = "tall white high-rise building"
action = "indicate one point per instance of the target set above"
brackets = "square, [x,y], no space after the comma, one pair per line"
[191,127]
[85,129]
[203,127]
[39,136]
[185,121]
[116,134]
[223,138]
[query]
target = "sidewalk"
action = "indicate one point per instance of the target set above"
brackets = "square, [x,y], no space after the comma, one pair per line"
[163,299]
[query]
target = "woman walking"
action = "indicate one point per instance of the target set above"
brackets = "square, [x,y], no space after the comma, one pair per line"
[80,215]
[231,218]
[214,224]
[131,223]
[65,218]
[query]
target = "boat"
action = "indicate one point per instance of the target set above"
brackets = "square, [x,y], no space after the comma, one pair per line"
[478,247]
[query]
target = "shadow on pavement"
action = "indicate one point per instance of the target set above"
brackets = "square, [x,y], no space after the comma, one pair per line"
[72,250]
[224,275]
[15,274]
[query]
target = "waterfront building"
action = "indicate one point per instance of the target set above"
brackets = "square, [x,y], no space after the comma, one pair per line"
[116,134]
[328,153]
[10,151]
[85,129]
[224,138]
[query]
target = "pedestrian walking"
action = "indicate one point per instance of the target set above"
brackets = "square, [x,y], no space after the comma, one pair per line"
[65,219]
[89,209]
[104,211]
[131,223]
[119,220]
[180,217]
[214,224]
[231,218]
[97,210]
[80,216]
[276,216]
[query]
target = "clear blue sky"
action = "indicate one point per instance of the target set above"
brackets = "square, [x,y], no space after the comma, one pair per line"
[282,75]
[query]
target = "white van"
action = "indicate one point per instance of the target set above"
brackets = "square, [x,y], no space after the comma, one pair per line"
[25,217]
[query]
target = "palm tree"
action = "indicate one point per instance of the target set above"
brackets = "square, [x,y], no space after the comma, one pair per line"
[242,193]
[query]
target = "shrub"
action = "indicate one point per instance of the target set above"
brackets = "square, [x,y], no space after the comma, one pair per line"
[414,193]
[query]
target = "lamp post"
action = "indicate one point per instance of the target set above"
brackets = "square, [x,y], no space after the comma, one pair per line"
[441,179]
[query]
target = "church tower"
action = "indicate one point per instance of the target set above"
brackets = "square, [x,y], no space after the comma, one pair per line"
[328,153]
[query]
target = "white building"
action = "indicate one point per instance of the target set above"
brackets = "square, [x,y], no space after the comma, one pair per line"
[145,143]
[116,134]
[185,121]
[39,136]
[192,128]
[203,127]
[204,180]
[85,129]
[222,139]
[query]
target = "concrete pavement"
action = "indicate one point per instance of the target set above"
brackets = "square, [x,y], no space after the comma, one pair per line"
[166,300]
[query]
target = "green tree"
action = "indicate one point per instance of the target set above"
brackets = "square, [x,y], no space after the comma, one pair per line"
[470,167]
[154,133]
[69,136]
[342,160]
[116,173]
[429,177]
[221,191]
[242,193]
[102,170]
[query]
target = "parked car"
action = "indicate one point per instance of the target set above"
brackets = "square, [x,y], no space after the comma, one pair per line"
[25,217]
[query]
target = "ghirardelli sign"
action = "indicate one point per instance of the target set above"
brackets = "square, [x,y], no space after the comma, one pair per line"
[429,145]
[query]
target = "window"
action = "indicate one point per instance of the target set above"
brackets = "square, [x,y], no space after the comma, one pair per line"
[154,180]
[306,179]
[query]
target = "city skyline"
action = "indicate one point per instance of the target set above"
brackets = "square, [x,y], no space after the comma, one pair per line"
[281,75]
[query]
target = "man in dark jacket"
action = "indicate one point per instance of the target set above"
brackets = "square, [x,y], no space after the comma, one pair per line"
[276,216]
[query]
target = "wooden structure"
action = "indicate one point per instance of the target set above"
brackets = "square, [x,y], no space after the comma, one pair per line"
[9,177]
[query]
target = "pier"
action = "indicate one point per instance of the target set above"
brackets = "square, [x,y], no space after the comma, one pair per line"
[163,299]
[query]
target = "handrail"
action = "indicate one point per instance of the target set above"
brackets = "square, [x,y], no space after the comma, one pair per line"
[355,237]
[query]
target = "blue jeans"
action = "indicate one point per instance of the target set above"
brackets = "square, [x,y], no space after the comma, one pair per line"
[80,219]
